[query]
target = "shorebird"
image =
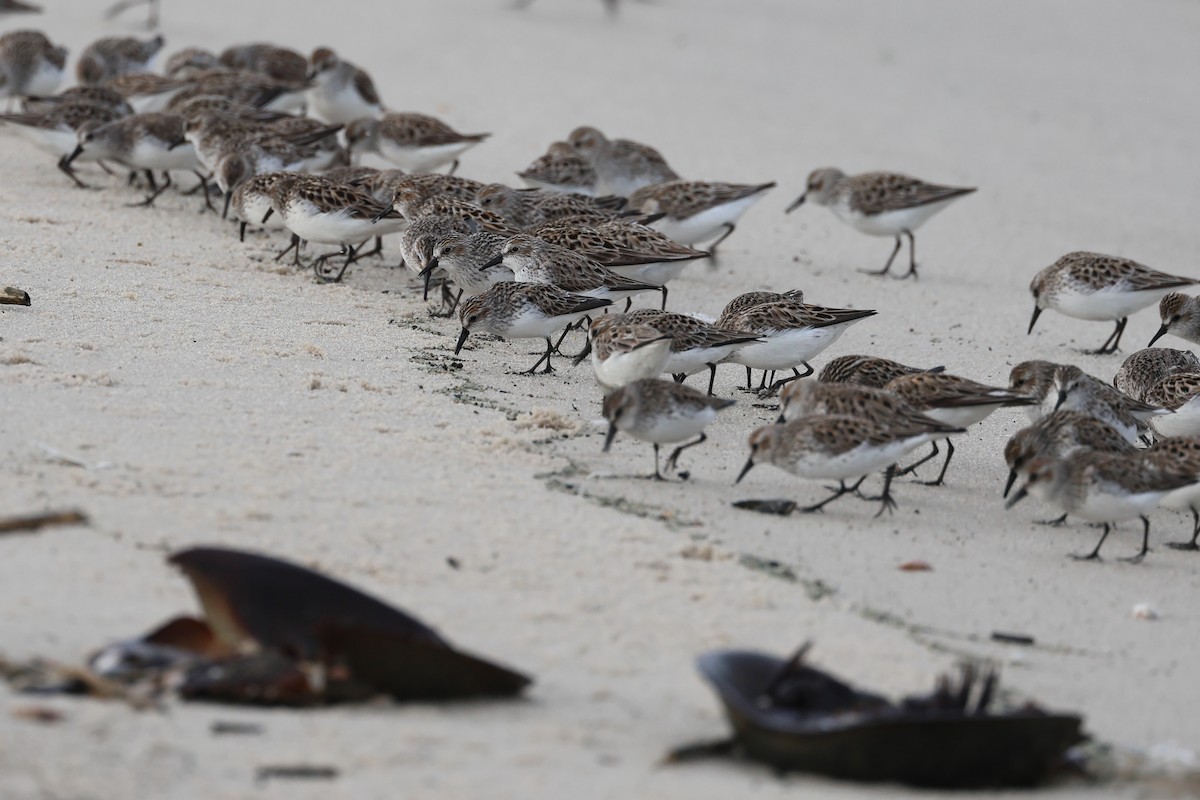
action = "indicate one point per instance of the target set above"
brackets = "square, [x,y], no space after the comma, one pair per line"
[880,204]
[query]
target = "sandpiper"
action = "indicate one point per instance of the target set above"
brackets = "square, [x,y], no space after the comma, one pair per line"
[1180,316]
[880,204]
[516,310]
[341,92]
[661,412]
[1098,287]
[413,142]
[696,211]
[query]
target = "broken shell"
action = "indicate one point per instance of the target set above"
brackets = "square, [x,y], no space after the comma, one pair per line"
[12,296]
[253,601]
[1145,611]
[794,717]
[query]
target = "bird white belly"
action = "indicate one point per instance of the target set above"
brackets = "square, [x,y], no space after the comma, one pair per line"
[1105,304]
[328,227]
[960,416]
[620,369]
[689,362]
[55,142]
[674,426]
[45,81]
[533,324]
[1184,499]
[890,223]
[422,159]
[862,460]
[658,273]
[706,224]
[1101,506]
[340,106]
[153,154]
[786,349]
[1183,421]
[254,208]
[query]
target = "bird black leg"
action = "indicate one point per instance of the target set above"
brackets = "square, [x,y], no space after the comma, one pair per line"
[657,475]
[1145,543]
[1195,535]
[749,379]
[679,377]
[842,489]
[1053,523]
[779,384]
[712,377]
[888,265]
[295,243]
[550,348]
[454,303]
[1114,339]
[672,460]
[712,249]
[149,201]
[1095,554]
[889,504]
[911,468]
[628,304]
[70,173]
[912,256]
[664,302]
[942,475]
[202,186]
[453,167]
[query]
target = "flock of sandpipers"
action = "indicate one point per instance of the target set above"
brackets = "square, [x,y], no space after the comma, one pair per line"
[604,220]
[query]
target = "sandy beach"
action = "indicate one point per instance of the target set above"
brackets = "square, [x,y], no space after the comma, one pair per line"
[181,388]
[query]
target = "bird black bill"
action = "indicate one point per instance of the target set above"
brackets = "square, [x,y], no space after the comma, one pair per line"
[608,439]
[1016,498]
[1161,333]
[1012,478]
[749,466]
[1037,311]
[462,338]
[799,201]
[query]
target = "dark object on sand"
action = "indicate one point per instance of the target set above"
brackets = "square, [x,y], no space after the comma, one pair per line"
[34,522]
[13,297]
[279,634]
[795,717]
[779,507]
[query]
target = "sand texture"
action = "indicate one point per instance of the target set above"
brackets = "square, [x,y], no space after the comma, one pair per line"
[213,396]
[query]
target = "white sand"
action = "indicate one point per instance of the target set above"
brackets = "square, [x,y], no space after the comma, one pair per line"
[220,399]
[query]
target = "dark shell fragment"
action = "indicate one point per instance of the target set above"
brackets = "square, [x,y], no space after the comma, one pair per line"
[319,640]
[794,717]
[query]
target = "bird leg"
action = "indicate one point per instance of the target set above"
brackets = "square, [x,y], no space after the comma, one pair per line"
[1095,554]
[1145,543]
[1195,535]
[942,475]
[65,166]
[911,468]
[1053,523]
[842,489]
[550,348]
[674,457]
[712,377]
[912,256]
[712,248]
[888,265]
[295,243]
[149,201]
[889,504]
[1114,339]
[779,384]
